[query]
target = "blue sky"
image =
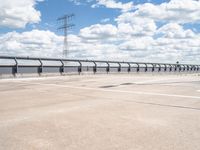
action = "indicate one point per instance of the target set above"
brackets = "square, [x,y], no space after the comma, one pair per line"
[143,30]
[85,15]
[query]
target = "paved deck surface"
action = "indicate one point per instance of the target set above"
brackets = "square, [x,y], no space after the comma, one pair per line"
[101,112]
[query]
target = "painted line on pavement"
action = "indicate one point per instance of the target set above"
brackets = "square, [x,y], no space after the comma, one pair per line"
[117,91]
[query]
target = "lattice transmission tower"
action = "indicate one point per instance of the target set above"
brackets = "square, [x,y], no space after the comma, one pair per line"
[65,26]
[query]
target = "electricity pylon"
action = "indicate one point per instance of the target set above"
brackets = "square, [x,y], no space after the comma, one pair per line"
[65,27]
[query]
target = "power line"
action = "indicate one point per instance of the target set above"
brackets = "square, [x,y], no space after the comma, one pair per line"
[65,27]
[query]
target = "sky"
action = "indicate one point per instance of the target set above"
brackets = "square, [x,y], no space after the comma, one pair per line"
[125,30]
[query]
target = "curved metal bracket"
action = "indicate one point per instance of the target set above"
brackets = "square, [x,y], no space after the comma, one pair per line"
[180,68]
[16,62]
[138,67]
[95,67]
[165,67]
[188,67]
[159,69]
[175,67]
[191,69]
[79,67]
[170,68]
[153,67]
[40,68]
[108,67]
[62,66]
[119,68]
[183,67]
[145,67]
[15,68]
[197,67]
[129,67]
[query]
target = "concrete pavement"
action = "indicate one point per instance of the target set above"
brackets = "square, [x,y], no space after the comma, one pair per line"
[101,112]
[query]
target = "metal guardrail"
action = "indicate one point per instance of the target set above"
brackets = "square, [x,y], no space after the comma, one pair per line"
[109,66]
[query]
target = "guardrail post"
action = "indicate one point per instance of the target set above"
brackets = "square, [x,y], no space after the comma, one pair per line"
[188,67]
[129,67]
[119,68]
[170,68]
[179,66]
[40,68]
[62,67]
[145,67]
[159,69]
[79,67]
[191,67]
[183,67]
[138,67]
[175,67]
[197,68]
[153,67]
[108,67]
[15,68]
[95,67]
[165,67]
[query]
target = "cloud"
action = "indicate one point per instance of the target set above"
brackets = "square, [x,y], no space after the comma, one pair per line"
[18,13]
[136,36]
[129,26]
[114,5]
[105,42]
[136,44]
[31,43]
[178,11]
[98,32]
[174,30]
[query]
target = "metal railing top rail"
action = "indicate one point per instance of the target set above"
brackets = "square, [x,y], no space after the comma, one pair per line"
[20,65]
[93,61]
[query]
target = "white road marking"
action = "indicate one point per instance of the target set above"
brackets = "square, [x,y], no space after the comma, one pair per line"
[42,79]
[155,81]
[117,91]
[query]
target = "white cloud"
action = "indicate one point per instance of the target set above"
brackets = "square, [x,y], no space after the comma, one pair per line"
[174,30]
[114,5]
[178,11]
[135,37]
[98,32]
[136,44]
[94,43]
[31,43]
[18,13]
[135,26]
